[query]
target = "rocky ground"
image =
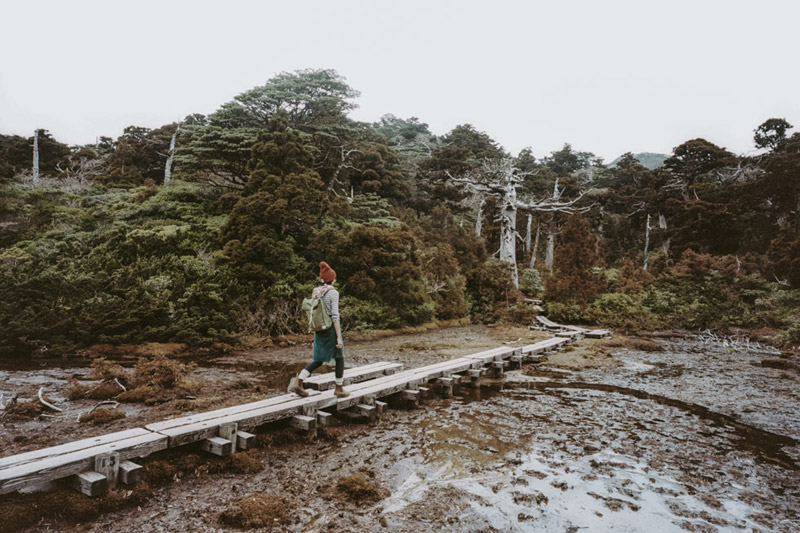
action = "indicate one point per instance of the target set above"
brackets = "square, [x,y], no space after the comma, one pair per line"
[627,434]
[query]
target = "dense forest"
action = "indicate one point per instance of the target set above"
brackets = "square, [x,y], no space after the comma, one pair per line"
[210,230]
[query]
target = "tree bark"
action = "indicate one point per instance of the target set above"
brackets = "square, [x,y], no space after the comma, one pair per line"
[535,245]
[36,158]
[168,166]
[646,240]
[508,224]
[479,221]
[548,257]
[528,234]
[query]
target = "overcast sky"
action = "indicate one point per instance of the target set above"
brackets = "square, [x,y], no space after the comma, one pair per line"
[606,76]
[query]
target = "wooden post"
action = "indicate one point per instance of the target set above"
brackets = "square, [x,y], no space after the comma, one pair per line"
[108,465]
[381,407]
[497,368]
[229,431]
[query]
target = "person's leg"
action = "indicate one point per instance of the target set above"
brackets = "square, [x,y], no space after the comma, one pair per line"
[339,378]
[296,384]
[313,365]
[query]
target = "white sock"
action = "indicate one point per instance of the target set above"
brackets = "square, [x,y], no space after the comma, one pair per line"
[304,375]
[339,381]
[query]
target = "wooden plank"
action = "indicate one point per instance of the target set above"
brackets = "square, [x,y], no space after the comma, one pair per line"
[543,345]
[78,461]
[353,375]
[495,354]
[90,483]
[53,451]
[130,472]
[381,388]
[547,322]
[249,419]
[597,333]
[220,413]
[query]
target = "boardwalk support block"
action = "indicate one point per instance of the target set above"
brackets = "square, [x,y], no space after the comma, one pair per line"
[90,483]
[130,472]
[303,423]
[218,446]
[244,440]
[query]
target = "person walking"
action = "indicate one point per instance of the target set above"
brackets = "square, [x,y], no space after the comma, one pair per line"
[328,343]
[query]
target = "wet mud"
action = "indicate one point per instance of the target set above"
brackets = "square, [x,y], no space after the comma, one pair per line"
[696,437]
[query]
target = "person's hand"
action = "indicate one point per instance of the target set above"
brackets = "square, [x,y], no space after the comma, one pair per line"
[339,342]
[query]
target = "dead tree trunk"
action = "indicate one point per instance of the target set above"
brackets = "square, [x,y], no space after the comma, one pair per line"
[528,234]
[535,245]
[170,156]
[508,230]
[479,221]
[36,158]
[646,241]
[548,256]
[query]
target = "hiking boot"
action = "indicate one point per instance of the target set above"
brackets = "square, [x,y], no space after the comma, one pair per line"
[340,392]
[296,386]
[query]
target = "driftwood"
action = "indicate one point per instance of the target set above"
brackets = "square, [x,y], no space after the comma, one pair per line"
[121,386]
[46,403]
[104,402]
[737,343]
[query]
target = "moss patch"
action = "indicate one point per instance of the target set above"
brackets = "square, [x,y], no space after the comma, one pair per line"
[358,489]
[102,416]
[257,510]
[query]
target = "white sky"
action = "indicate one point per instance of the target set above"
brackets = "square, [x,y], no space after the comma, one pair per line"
[606,76]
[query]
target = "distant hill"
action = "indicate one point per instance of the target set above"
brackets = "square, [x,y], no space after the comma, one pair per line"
[646,159]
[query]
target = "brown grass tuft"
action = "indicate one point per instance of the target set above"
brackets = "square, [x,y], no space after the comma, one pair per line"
[158,380]
[76,390]
[238,463]
[278,439]
[102,416]
[68,506]
[22,411]
[358,489]
[257,510]
[105,370]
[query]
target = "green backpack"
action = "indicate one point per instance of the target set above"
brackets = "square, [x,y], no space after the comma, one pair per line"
[318,318]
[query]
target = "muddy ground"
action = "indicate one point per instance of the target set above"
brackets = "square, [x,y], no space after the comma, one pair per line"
[660,434]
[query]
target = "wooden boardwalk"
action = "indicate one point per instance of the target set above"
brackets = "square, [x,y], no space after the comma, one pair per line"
[96,464]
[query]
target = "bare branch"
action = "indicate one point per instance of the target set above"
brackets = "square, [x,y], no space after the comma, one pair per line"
[46,403]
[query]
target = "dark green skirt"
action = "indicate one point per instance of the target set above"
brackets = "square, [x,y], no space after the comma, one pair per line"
[325,346]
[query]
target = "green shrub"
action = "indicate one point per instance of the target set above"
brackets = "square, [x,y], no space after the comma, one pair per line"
[531,283]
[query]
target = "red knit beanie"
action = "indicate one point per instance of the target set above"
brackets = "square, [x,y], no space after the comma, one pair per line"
[326,273]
